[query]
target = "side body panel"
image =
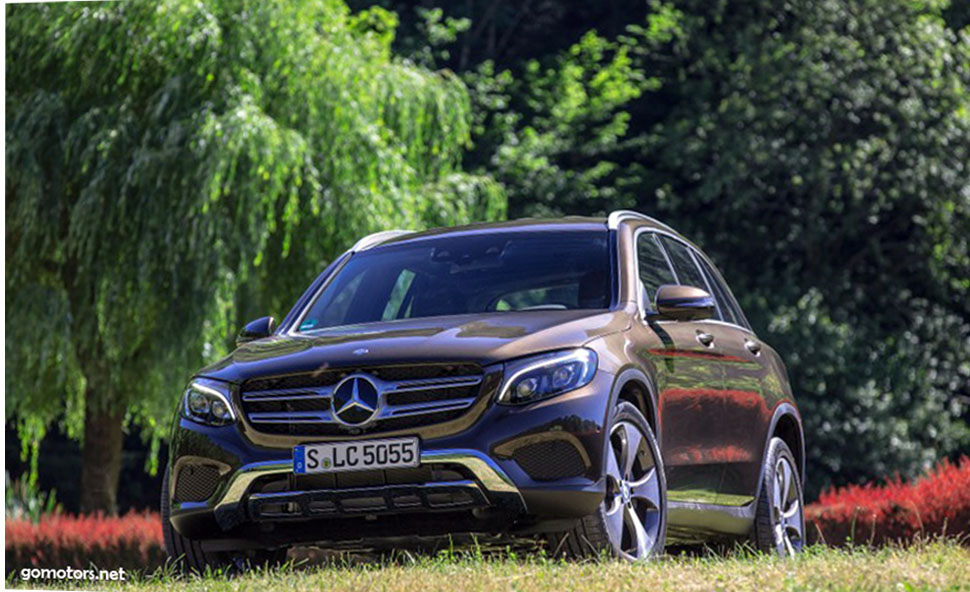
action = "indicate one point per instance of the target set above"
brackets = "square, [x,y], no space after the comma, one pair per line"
[715,415]
[745,415]
[755,389]
[689,380]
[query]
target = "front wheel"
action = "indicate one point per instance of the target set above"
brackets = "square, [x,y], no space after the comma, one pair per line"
[631,521]
[779,524]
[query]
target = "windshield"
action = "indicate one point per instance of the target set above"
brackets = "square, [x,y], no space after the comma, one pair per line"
[476,273]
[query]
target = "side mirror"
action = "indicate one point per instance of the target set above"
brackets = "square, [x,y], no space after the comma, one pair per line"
[261,327]
[684,303]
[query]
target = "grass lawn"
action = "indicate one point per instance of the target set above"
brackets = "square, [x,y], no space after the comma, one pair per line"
[931,566]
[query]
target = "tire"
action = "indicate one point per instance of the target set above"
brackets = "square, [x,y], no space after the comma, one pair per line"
[636,495]
[189,556]
[779,524]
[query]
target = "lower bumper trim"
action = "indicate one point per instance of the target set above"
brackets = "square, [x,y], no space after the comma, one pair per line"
[445,495]
[490,481]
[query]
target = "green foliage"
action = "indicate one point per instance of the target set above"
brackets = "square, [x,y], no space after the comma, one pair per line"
[553,134]
[168,162]
[23,500]
[818,150]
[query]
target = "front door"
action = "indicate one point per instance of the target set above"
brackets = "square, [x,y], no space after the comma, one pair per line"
[689,378]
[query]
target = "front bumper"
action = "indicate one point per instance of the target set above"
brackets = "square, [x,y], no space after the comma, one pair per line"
[493,487]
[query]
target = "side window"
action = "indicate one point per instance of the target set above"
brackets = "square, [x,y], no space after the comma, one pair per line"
[731,311]
[687,271]
[653,267]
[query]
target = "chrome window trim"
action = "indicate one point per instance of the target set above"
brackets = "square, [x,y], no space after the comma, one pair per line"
[727,324]
[377,238]
[711,321]
[694,251]
[618,216]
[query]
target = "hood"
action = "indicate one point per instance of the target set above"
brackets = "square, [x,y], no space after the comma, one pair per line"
[482,338]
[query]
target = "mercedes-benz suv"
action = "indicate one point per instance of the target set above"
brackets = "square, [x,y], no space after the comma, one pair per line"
[590,382]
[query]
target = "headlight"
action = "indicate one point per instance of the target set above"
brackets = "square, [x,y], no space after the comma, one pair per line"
[539,377]
[207,401]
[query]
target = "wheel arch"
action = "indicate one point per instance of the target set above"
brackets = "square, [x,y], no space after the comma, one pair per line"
[786,423]
[633,385]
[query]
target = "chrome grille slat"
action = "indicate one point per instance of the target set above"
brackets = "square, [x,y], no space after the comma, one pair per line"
[285,394]
[403,386]
[429,407]
[290,416]
[399,399]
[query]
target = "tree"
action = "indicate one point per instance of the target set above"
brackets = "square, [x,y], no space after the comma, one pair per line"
[172,166]
[818,151]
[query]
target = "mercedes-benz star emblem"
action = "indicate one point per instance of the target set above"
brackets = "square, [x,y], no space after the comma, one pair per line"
[355,400]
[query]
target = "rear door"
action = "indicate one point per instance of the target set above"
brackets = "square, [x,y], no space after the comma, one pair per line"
[747,394]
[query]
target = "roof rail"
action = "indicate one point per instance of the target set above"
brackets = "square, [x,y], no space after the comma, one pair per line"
[618,216]
[375,239]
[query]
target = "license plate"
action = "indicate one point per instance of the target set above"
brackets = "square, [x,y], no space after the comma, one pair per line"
[336,457]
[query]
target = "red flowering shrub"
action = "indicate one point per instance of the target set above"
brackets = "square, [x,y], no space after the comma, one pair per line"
[938,503]
[132,541]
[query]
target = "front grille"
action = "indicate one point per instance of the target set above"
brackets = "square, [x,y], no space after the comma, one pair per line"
[196,483]
[554,459]
[410,396]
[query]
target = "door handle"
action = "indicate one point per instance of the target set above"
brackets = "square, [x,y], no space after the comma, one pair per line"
[706,339]
[753,346]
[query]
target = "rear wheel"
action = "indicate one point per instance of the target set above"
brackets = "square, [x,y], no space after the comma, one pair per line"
[631,522]
[779,525]
[188,554]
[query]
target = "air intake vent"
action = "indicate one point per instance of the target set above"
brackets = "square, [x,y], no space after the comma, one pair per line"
[554,459]
[196,483]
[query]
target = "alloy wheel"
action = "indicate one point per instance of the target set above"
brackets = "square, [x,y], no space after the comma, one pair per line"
[786,509]
[632,493]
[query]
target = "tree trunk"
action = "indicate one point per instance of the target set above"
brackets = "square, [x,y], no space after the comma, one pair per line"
[101,458]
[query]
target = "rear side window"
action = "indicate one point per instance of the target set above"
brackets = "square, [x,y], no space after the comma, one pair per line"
[653,269]
[688,273]
[729,309]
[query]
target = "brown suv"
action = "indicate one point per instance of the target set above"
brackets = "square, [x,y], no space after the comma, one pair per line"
[592,381]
